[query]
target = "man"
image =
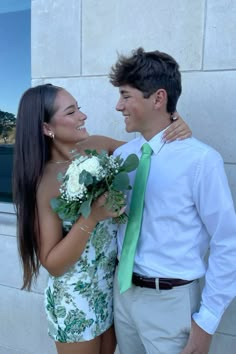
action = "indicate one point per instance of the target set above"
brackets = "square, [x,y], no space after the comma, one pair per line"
[188,209]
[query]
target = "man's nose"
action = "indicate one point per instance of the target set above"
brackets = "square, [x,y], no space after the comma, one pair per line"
[119,106]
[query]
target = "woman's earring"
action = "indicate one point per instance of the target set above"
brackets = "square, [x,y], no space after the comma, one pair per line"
[51,134]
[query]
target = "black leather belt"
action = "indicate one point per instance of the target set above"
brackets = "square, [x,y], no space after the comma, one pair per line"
[164,283]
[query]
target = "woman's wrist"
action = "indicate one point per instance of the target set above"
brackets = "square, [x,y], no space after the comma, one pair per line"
[86,225]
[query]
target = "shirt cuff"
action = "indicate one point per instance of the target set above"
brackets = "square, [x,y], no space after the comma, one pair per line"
[206,320]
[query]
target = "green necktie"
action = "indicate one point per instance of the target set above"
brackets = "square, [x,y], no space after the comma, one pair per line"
[133,227]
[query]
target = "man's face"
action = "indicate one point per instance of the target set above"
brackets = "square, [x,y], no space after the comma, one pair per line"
[135,108]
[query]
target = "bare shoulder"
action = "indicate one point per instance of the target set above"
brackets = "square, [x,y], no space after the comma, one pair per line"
[48,187]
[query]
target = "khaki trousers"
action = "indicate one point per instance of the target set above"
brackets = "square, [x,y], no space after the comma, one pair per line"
[153,321]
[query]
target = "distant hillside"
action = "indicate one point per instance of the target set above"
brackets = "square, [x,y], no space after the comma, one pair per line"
[7,127]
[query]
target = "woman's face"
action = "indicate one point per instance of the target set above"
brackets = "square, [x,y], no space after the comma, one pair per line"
[67,124]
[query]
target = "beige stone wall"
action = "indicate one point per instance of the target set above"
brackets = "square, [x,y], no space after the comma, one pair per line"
[74,43]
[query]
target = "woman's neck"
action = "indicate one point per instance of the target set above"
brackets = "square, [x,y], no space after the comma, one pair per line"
[62,154]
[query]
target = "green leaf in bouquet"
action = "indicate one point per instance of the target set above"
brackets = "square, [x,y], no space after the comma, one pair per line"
[64,209]
[85,178]
[115,200]
[85,208]
[60,210]
[91,152]
[131,163]
[99,190]
[121,181]
[72,211]
[122,219]
[58,204]
[54,203]
[103,153]
[60,177]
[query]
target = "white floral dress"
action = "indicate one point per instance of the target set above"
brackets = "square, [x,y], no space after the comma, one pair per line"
[79,303]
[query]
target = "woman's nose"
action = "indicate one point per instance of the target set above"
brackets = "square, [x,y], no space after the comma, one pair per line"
[82,116]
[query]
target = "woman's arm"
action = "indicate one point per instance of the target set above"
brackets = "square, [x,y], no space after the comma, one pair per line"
[58,254]
[178,130]
[101,142]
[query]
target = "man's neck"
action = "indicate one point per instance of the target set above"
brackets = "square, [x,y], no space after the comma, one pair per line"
[160,124]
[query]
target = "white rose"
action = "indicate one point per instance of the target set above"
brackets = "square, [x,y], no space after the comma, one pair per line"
[92,166]
[73,187]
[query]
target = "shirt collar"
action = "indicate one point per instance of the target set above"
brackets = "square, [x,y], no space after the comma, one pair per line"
[156,142]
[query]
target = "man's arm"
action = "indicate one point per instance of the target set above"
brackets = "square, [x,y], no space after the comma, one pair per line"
[199,341]
[214,203]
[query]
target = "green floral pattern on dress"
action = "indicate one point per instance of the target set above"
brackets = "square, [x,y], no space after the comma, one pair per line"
[79,303]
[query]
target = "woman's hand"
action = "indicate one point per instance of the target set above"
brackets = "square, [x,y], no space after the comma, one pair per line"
[100,210]
[178,130]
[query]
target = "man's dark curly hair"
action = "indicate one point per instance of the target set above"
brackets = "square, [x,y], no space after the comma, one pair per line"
[149,72]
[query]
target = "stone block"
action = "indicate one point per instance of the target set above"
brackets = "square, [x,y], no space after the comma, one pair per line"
[208,104]
[220,40]
[55,38]
[36,82]
[231,174]
[223,344]
[7,224]
[11,271]
[228,321]
[174,27]
[4,350]
[23,323]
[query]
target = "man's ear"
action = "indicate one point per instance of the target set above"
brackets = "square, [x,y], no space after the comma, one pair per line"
[160,98]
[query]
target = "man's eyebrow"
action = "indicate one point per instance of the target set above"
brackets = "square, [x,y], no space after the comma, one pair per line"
[123,91]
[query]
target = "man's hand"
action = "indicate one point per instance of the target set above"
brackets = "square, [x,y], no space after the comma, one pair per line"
[199,341]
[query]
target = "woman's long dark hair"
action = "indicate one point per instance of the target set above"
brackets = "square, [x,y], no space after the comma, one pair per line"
[31,152]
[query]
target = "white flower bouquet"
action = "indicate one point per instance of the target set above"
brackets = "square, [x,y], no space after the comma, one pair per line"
[87,177]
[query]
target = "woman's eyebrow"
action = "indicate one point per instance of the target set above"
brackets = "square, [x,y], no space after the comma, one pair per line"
[71,106]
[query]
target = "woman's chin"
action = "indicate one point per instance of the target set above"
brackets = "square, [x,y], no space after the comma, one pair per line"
[82,136]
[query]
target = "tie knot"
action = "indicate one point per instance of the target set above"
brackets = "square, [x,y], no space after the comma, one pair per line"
[146,149]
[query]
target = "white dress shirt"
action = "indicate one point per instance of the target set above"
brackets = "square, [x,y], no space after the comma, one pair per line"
[188,209]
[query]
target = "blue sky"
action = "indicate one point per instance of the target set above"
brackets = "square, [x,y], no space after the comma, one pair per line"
[15,64]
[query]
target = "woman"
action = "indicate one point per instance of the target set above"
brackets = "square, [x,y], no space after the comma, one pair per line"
[80,260]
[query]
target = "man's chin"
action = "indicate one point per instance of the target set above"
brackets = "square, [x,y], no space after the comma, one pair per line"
[129,129]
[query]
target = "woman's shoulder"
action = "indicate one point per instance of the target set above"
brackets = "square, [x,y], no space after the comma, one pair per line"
[49,184]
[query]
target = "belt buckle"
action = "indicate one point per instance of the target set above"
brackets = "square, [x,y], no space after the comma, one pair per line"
[157,285]
[167,285]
